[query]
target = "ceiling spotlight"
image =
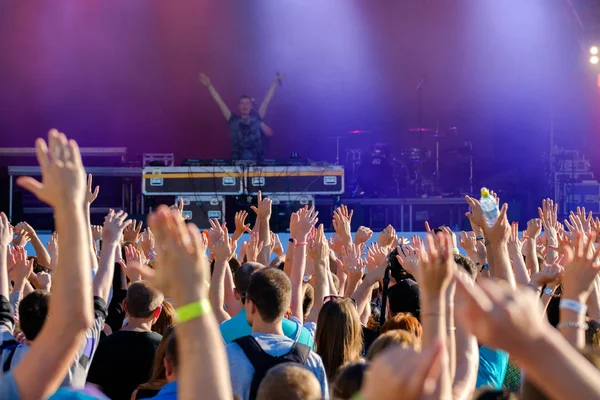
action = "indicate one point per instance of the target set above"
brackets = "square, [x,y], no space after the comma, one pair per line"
[593,50]
[594,60]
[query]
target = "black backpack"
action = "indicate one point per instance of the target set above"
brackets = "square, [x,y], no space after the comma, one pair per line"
[263,362]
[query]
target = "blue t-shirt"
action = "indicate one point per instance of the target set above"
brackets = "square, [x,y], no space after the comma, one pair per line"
[168,392]
[492,368]
[238,327]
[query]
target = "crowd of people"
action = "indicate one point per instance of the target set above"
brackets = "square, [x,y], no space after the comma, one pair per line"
[122,312]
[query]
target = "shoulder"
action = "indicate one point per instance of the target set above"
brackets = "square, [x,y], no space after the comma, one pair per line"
[8,387]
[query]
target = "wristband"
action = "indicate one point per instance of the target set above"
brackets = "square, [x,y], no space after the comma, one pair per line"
[531,285]
[573,305]
[484,267]
[300,244]
[456,251]
[357,396]
[479,238]
[193,310]
[573,324]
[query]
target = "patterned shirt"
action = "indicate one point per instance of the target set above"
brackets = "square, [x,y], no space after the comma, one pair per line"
[246,137]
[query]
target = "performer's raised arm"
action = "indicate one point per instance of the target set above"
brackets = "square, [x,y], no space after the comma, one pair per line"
[262,110]
[215,95]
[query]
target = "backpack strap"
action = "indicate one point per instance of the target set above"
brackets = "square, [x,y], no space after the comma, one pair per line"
[262,361]
[12,345]
[298,331]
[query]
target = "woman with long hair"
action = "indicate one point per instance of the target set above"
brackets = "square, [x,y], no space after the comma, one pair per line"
[339,337]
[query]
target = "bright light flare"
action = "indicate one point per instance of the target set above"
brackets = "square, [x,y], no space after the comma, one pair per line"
[594,60]
[594,50]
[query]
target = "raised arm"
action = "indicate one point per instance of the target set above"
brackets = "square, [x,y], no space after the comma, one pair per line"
[183,270]
[223,251]
[90,197]
[71,311]
[301,224]
[319,252]
[262,110]
[215,95]
[263,216]
[40,251]
[114,223]
[6,236]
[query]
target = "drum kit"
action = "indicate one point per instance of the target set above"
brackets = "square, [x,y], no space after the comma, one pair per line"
[383,171]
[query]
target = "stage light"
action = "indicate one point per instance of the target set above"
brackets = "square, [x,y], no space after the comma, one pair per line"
[594,60]
[594,50]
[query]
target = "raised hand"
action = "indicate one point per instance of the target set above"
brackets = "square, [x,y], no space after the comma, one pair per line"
[341,223]
[263,211]
[363,234]
[178,209]
[134,265]
[302,222]
[549,275]
[43,279]
[468,243]
[353,263]
[240,224]
[436,265]
[6,231]
[131,233]
[549,216]
[586,219]
[475,217]
[53,247]
[22,267]
[409,257]
[90,195]
[336,244]
[277,247]
[204,79]
[386,237]
[515,245]
[21,239]
[147,241]
[376,256]
[581,268]
[182,268]
[222,248]
[63,177]
[96,232]
[114,224]
[534,228]
[253,247]
[319,249]
[452,235]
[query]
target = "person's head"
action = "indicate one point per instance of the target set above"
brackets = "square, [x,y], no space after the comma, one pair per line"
[592,334]
[309,299]
[404,297]
[268,296]
[289,381]
[143,302]
[171,359]
[467,265]
[158,377]
[339,335]
[165,320]
[397,270]
[405,322]
[393,338]
[348,380]
[241,279]
[245,105]
[33,310]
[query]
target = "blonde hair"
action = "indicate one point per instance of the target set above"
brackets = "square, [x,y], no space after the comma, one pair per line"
[395,337]
[289,382]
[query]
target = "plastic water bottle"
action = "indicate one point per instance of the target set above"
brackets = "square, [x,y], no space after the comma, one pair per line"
[489,207]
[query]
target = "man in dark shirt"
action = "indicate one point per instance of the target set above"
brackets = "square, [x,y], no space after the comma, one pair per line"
[246,128]
[124,359]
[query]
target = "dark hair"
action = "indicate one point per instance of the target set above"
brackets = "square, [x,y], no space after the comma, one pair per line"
[241,277]
[348,380]
[467,264]
[592,334]
[309,299]
[404,297]
[271,292]
[142,300]
[234,265]
[397,271]
[245,96]
[33,311]
[171,349]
